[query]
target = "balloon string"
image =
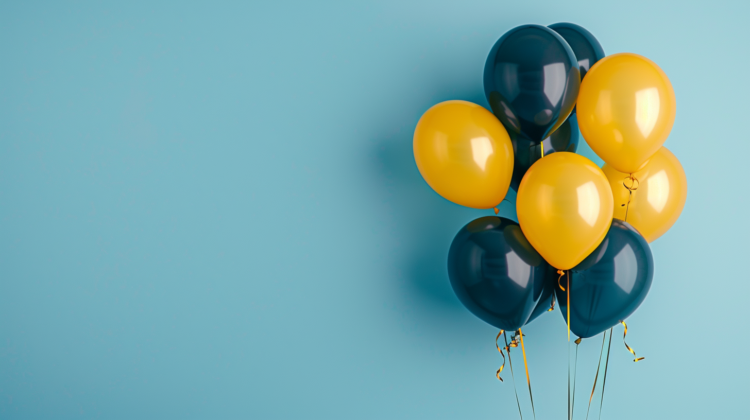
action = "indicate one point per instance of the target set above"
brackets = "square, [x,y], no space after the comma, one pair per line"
[575,371]
[562,273]
[501,354]
[634,184]
[596,378]
[569,414]
[636,358]
[606,367]
[568,292]
[513,343]
[528,381]
[552,306]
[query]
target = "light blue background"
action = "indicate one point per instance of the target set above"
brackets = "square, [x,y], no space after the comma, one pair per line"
[211,211]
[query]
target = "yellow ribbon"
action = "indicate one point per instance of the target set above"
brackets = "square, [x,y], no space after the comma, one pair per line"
[567,291]
[513,343]
[552,306]
[636,358]
[501,354]
[572,407]
[634,184]
[531,396]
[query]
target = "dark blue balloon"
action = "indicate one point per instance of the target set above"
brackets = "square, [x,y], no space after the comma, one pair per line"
[527,152]
[584,45]
[531,80]
[610,284]
[545,301]
[497,274]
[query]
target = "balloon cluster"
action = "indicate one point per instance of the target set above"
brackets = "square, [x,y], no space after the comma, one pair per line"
[583,232]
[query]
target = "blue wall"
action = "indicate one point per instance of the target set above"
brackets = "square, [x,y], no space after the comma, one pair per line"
[211,210]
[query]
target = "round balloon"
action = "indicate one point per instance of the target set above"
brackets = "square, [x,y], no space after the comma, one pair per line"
[564,206]
[610,284]
[527,152]
[661,191]
[531,81]
[626,109]
[583,43]
[464,153]
[497,274]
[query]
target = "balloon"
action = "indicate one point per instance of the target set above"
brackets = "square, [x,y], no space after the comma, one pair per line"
[626,109]
[610,284]
[526,152]
[564,206]
[464,153]
[545,302]
[496,273]
[531,81]
[584,45]
[659,199]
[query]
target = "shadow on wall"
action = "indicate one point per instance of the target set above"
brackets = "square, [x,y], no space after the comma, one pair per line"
[424,223]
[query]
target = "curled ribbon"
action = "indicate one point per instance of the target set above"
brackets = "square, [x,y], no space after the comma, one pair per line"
[513,343]
[634,184]
[501,353]
[625,333]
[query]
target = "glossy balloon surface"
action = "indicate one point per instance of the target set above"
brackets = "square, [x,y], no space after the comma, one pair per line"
[659,199]
[497,274]
[610,284]
[545,302]
[464,154]
[527,152]
[565,206]
[626,109]
[531,80]
[583,43]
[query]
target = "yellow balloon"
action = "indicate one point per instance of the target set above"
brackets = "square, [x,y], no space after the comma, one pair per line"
[464,153]
[659,198]
[564,207]
[626,108]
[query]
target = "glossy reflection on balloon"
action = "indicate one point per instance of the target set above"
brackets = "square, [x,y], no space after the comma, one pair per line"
[527,152]
[610,284]
[565,206]
[531,80]
[626,110]
[497,274]
[659,198]
[583,43]
[464,154]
